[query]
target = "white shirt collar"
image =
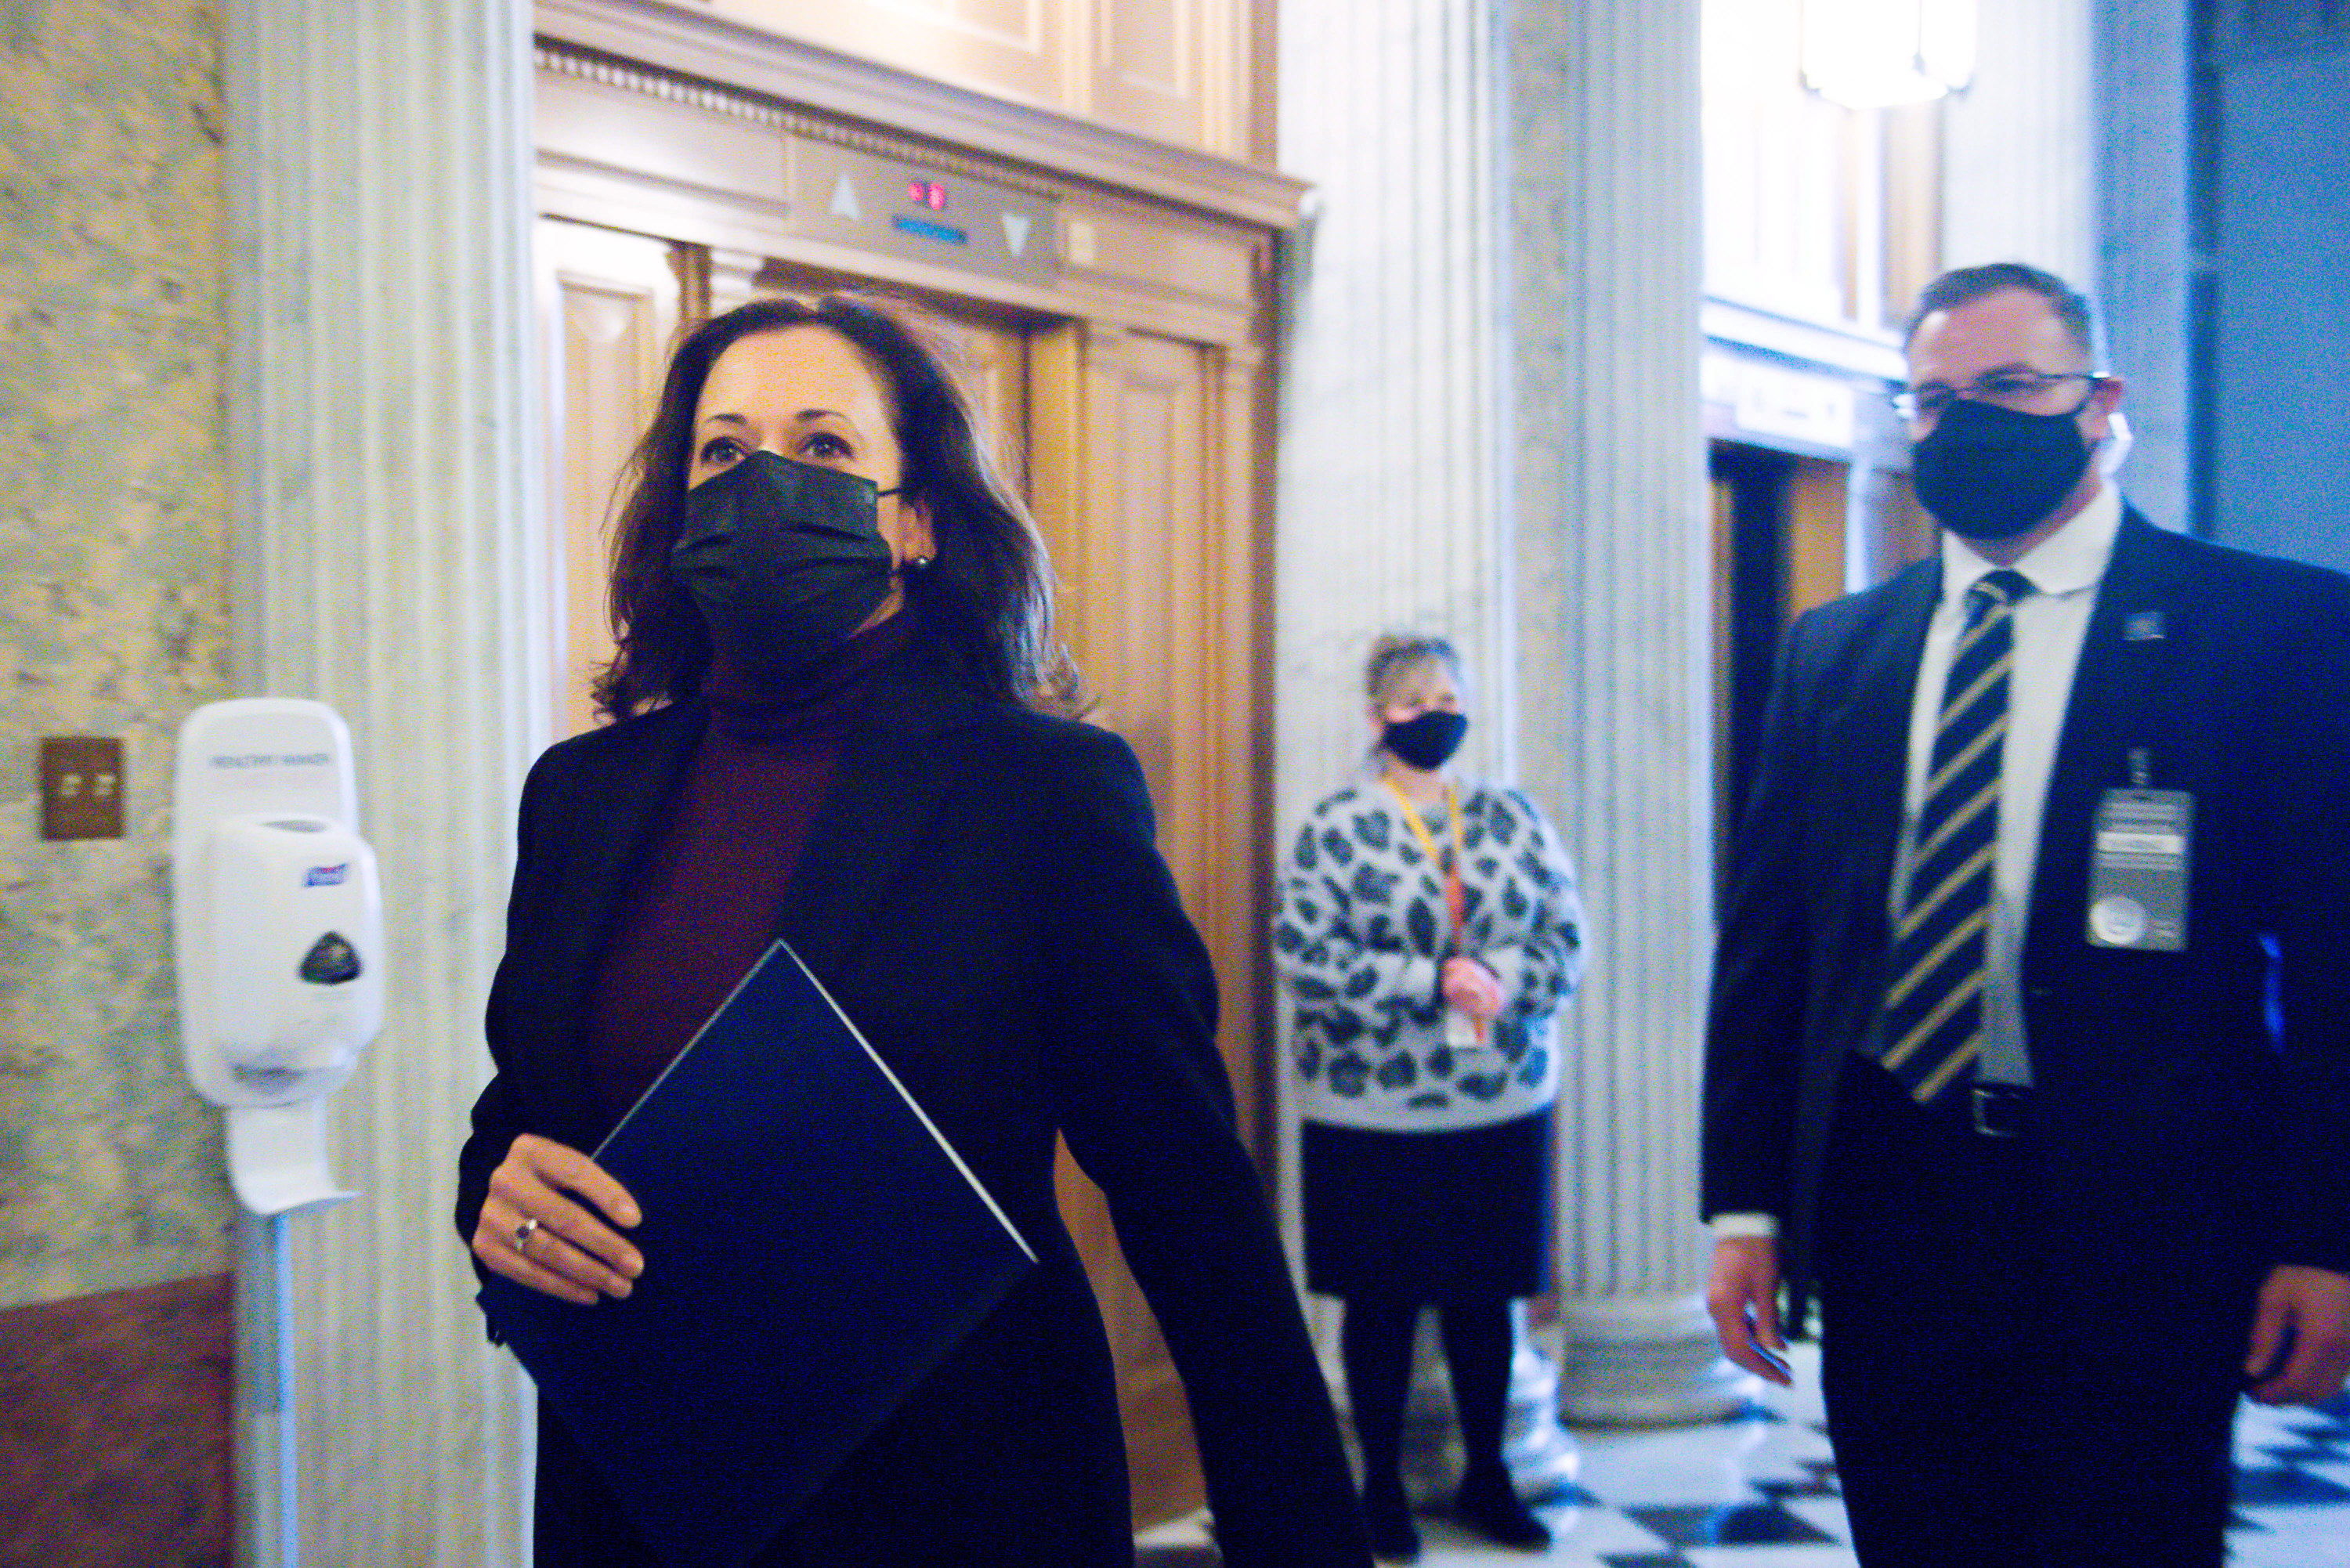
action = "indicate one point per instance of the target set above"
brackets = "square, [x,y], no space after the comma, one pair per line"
[2073,558]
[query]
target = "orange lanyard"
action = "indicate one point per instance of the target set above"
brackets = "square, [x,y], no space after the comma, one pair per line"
[1455,898]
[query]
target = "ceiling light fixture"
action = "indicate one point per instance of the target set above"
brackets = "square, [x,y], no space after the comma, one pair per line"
[1878,54]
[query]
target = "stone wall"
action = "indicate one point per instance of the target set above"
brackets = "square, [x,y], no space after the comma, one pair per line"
[112,622]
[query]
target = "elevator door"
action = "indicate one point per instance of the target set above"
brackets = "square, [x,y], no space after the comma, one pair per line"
[1779,549]
[1133,449]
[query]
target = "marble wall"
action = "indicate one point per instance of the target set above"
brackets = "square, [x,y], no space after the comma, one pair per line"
[2146,283]
[112,622]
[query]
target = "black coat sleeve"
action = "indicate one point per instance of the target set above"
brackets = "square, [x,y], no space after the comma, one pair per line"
[497,1116]
[1147,1108]
[2305,771]
[1754,1030]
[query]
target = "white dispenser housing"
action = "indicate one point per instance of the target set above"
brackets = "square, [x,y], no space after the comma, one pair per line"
[278,922]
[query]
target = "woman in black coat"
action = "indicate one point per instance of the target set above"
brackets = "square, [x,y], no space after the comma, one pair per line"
[834,721]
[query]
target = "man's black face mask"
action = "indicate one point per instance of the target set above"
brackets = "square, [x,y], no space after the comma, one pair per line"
[785,559]
[1987,472]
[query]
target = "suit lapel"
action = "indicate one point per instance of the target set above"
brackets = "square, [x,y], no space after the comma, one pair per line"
[895,770]
[2110,711]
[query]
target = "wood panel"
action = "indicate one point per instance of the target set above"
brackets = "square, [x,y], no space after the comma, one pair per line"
[1012,48]
[1815,533]
[1172,70]
[114,1428]
[1147,482]
[1148,68]
[1812,210]
[610,306]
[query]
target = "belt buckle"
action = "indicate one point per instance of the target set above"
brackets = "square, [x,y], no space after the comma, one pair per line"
[1998,1109]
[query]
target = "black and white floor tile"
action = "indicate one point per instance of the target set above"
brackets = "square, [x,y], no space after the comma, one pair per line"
[1760,1492]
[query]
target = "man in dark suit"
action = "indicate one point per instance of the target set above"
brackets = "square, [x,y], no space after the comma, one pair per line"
[2029,1048]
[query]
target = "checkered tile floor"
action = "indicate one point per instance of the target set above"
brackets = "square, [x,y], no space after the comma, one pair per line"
[1761,1492]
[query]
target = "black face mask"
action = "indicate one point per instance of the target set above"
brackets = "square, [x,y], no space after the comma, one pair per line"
[1428,740]
[1987,472]
[785,559]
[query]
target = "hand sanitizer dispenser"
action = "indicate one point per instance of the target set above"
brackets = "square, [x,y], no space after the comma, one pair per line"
[279,928]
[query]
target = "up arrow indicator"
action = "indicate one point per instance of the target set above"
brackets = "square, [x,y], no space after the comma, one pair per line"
[845,204]
[1016,233]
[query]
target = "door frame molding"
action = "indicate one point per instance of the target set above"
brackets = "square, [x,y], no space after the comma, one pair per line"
[704,51]
[1124,257]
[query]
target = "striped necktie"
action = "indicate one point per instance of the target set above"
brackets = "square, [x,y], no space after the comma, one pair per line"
[1934,1010]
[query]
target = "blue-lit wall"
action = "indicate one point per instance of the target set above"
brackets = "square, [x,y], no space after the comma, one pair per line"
[2280,357]
[2224,263]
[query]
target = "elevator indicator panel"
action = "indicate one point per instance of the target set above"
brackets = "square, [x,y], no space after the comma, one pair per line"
[865,201]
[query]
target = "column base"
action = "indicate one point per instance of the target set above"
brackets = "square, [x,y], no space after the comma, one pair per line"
[1647,1361]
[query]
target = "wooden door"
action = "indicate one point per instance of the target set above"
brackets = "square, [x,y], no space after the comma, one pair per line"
[609,306]
[1143,453]
[1137,453]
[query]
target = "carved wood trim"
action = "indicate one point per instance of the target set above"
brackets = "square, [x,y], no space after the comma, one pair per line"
[646,42]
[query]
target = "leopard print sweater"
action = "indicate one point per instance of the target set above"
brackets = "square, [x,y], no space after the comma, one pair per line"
[1361,939]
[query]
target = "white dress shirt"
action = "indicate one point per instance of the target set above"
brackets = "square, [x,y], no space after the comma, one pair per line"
[2050,623]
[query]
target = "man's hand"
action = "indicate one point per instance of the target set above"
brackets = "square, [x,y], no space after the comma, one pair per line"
[1743,1297]
[2314,1306]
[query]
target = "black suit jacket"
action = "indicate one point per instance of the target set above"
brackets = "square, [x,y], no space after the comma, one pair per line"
[2193,1107]
[982,894]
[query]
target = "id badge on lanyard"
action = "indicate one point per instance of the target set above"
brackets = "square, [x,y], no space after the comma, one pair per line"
[1461,1033]
[2141,851]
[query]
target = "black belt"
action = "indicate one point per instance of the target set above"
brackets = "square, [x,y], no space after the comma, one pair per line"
[1999,1110]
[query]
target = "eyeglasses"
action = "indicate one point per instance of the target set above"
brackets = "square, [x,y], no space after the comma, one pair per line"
[2023,392]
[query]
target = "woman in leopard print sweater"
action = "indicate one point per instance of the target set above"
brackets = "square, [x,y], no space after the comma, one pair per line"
[1428,931]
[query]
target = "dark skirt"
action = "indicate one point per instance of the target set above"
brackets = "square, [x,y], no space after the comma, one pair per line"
[1430,1216]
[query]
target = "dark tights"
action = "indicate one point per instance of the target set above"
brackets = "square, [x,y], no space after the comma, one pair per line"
[1375,1342]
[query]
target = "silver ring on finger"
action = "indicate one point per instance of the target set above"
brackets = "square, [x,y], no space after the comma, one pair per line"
[521,1233]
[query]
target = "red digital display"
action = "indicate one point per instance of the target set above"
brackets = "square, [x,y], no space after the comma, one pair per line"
[928,193]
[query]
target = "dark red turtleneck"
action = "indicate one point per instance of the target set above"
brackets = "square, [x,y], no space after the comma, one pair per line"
[712,886]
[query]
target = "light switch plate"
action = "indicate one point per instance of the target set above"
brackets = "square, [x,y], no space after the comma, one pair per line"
[82,787]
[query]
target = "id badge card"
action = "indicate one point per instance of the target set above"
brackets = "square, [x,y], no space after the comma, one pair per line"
[1460,1032]
[2137,869]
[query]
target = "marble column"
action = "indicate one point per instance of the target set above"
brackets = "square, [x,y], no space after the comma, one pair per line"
[2019,147]
[388,559]
[1613,632]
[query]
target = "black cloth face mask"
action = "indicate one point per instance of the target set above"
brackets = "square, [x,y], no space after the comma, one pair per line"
[1429,740]
[785,559]
[1987,472]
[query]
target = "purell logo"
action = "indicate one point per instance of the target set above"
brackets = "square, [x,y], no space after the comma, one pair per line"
[325,876]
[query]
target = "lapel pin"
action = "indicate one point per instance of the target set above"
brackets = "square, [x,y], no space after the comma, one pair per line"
[2144,627]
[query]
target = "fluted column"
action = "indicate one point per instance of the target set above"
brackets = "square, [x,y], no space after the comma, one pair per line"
[2019,147]
[389,560]
[1612,637]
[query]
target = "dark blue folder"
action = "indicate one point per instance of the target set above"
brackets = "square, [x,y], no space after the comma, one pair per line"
[813,1250]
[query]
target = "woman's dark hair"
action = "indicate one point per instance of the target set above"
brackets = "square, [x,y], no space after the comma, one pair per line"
[987,591]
